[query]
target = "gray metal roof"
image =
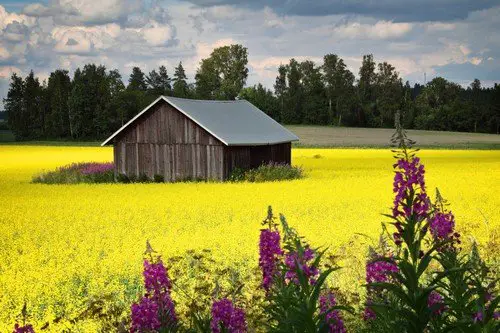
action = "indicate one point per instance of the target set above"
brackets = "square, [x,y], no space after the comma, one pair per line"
[235,123]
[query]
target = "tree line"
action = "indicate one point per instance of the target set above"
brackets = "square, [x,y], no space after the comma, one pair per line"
[95,102]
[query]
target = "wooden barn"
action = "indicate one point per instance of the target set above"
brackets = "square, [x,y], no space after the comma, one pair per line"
[198,139]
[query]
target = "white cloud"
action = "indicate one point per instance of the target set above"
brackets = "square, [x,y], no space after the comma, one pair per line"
[88,12]
[157,34]
[7,71]
[379,30]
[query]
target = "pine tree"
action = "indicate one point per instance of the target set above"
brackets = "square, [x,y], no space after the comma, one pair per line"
[293,111]
[181,88]
[33,103]
[280,89]
[137,80]
[15,108]
[159,82]
[58,89]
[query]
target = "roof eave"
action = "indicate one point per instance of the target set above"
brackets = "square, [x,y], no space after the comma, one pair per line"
[262,143]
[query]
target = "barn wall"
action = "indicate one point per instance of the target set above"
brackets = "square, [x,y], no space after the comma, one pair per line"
[165,142]
[246,157]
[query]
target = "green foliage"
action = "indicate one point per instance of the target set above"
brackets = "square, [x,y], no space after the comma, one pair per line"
[267,172]
[294,306]
[158,178]
[223,74]
[180,87]
[137,80]
[159,82]
[262,98]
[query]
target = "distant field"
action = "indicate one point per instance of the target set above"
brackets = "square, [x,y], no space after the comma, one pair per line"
[346,137]
[325,136]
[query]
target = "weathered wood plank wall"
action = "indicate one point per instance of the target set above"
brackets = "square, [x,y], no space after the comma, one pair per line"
[246,157]
[166,142]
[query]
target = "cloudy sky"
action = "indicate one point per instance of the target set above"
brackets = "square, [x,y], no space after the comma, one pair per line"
[457,39]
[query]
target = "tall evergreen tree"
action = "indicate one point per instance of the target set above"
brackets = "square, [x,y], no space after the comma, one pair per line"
[293,111]
[159,82]
[58,90]
[180,87]
[15,108]
[366,87]
[89,102]
[137,80]
[280,88]
[34,106]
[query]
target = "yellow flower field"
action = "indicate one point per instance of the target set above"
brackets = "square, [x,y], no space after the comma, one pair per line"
[65,245]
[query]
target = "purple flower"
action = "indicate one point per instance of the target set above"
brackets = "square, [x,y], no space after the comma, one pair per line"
[379,271]
[436,300]
[409,178]
[269,250]
[442,225]
[93,168]
[224,314]
[297,261]
[156,307]
[23,329]
[156,277]
[333,318]
[369,314]
[145,316]
[477,317]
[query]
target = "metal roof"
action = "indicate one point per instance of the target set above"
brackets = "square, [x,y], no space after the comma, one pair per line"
[235,123]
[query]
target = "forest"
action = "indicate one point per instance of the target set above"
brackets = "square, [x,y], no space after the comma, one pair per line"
[95,102]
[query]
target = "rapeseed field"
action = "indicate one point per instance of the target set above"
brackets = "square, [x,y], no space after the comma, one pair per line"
[66,248]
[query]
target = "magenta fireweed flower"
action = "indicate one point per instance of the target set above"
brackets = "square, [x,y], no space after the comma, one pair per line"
[269,251]
[436,299]
[409,177]
[93,168]
[477,317]
[155,277]
[231,318]
[156,308]
[333,318]
[145,316]
[369,314]
[442,225]
[158,286]
[295,260]
[23,329]
[379,271]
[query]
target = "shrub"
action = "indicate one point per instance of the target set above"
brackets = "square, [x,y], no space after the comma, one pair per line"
[158,178]
[267,172]
[88,172]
